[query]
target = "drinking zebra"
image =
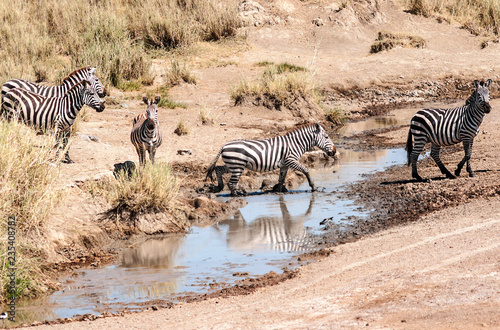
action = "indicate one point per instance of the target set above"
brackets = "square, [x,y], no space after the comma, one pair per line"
[86,73]
[444,127]
[282,152]
[146,135]
[56,113]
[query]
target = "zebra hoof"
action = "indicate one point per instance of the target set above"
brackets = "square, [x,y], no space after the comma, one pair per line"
[279,188]
[68,160]
[472,174]
[450,176]
[457,173]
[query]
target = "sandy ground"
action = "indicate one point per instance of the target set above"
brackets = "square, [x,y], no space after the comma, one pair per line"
[438,270]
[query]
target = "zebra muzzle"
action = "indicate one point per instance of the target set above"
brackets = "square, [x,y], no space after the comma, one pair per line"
[101,106]
[487,107]
[332,152]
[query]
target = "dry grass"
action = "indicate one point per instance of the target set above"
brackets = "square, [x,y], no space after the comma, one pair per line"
[153,188]
[181,128]
[180,73]
[118,36]
[28,191]
[388,40]
[480,17]
[282,83]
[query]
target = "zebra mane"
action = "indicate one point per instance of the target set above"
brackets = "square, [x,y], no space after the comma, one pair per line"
[302,127]
[75,86]
[76,72]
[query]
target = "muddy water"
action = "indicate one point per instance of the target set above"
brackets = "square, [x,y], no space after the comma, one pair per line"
[261,237]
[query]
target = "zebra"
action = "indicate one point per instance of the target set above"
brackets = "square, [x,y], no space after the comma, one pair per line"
[58,113]
[444,127]
[282,152]
[146,134]
[86,73]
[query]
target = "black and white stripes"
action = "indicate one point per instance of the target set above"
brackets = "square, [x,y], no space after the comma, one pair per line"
[146,135]
[281,152]
[444,127]
[44,113]
[86,73]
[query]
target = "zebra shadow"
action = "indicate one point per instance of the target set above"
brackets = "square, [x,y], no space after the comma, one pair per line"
[436,178]
[285,233]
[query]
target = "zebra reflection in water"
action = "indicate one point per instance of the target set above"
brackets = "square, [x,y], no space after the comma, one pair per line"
[285,233]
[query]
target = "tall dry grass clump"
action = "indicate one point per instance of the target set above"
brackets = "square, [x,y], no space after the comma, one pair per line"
[152,188]
[28,192]
[478,16]
[118,36]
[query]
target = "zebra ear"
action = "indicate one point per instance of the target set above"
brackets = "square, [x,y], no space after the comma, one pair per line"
[92,70]
[476,83]
[488,83]
[145,100]
[157,100]
[318,127]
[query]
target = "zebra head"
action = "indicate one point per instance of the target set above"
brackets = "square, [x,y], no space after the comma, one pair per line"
[91,98]
[152,109]
[96,83]
[481,96]
[323,141]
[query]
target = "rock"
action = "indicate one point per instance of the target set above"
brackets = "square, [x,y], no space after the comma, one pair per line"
[128,167]
[185,152]
[318,21]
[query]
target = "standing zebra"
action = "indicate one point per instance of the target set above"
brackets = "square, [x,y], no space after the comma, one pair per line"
[444,127]
[146,135]
[266,155]
[86,73]
[46,113]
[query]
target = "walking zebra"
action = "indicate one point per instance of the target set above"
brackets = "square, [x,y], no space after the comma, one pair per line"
[46,113]
[86,73]
[146,135]
[266,155]
[444,127]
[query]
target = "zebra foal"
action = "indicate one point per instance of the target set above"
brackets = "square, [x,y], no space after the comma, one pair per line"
[444,127]
[281,152]
[86,73]
[146,134]
[45,113]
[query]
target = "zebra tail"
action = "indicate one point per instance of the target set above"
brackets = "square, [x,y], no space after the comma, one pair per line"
[409,147]
[211,169]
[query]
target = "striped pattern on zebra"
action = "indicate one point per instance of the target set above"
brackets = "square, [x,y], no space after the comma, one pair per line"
[86,73]
[146,134]
[444,127]
[282,152]
[44,113]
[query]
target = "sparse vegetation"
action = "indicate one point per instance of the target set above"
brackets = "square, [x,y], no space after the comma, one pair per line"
[477,16]
[119,36]
[388,40]
[178,73]
[181,128]
[281,83]
[28,191]
[206,118]
[336,116]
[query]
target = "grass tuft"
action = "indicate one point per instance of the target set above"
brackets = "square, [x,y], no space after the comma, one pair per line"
[388,40]
[181,128]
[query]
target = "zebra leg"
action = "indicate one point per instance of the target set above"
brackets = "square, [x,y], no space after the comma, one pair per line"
[65,139]
[294,164]
[219,170]
[233,182]
[468,152]
[280,187]
[417,149]
[152,153]
[142,155]
[435,155]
